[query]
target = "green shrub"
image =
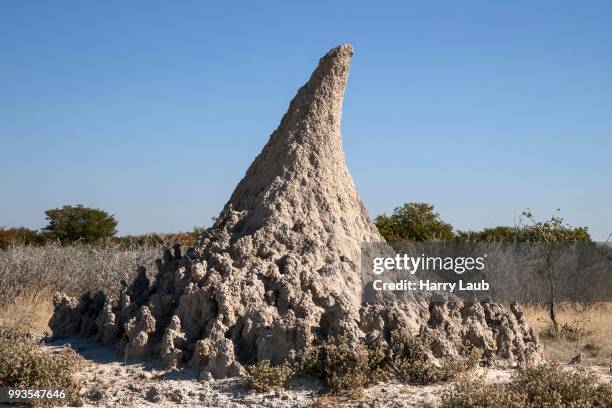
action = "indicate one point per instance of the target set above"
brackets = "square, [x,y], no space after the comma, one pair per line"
[264,377]
[25,363]
[541,386]
[71,224]
[414,222]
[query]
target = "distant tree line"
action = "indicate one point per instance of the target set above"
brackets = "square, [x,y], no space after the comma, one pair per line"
[79,224]
[415,222]
[418,222]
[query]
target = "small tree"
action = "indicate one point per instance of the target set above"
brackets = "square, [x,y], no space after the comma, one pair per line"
[80,224]
[415,222]
[553,231]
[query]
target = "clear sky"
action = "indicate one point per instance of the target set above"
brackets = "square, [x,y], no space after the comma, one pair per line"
[153,110]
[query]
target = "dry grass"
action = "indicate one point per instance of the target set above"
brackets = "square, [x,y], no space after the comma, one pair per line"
[30,275]
[29,314]
[585,330]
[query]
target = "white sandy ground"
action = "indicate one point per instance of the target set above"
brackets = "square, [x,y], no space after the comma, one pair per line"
[109,382]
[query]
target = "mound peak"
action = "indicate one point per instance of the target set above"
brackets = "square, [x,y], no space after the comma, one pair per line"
[301,171]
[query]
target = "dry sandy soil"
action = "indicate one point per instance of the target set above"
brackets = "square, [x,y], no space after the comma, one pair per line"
[109,382]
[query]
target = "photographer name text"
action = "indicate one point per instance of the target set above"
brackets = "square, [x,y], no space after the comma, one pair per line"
[427,285]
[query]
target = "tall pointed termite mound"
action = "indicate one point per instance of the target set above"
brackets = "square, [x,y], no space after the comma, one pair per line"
[280,268]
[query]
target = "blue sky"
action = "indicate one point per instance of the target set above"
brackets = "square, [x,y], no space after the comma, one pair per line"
[154,110]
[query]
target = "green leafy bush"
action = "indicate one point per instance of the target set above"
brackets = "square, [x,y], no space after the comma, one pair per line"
[418,222]
[342,365]
[71,224]
[414,222]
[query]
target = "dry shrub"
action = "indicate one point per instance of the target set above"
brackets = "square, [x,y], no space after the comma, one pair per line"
[30,274]
[592,348]
[566,331]
[185,239]
[541,386]
[346,366]
[341,366]
[413,364]
[477,394]
[264,377]
[74,270]
[25,363]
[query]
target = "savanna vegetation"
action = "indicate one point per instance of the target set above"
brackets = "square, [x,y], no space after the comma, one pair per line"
[79,251]
[342,367]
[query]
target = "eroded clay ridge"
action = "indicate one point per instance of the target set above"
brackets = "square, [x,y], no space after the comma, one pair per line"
[279,270]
